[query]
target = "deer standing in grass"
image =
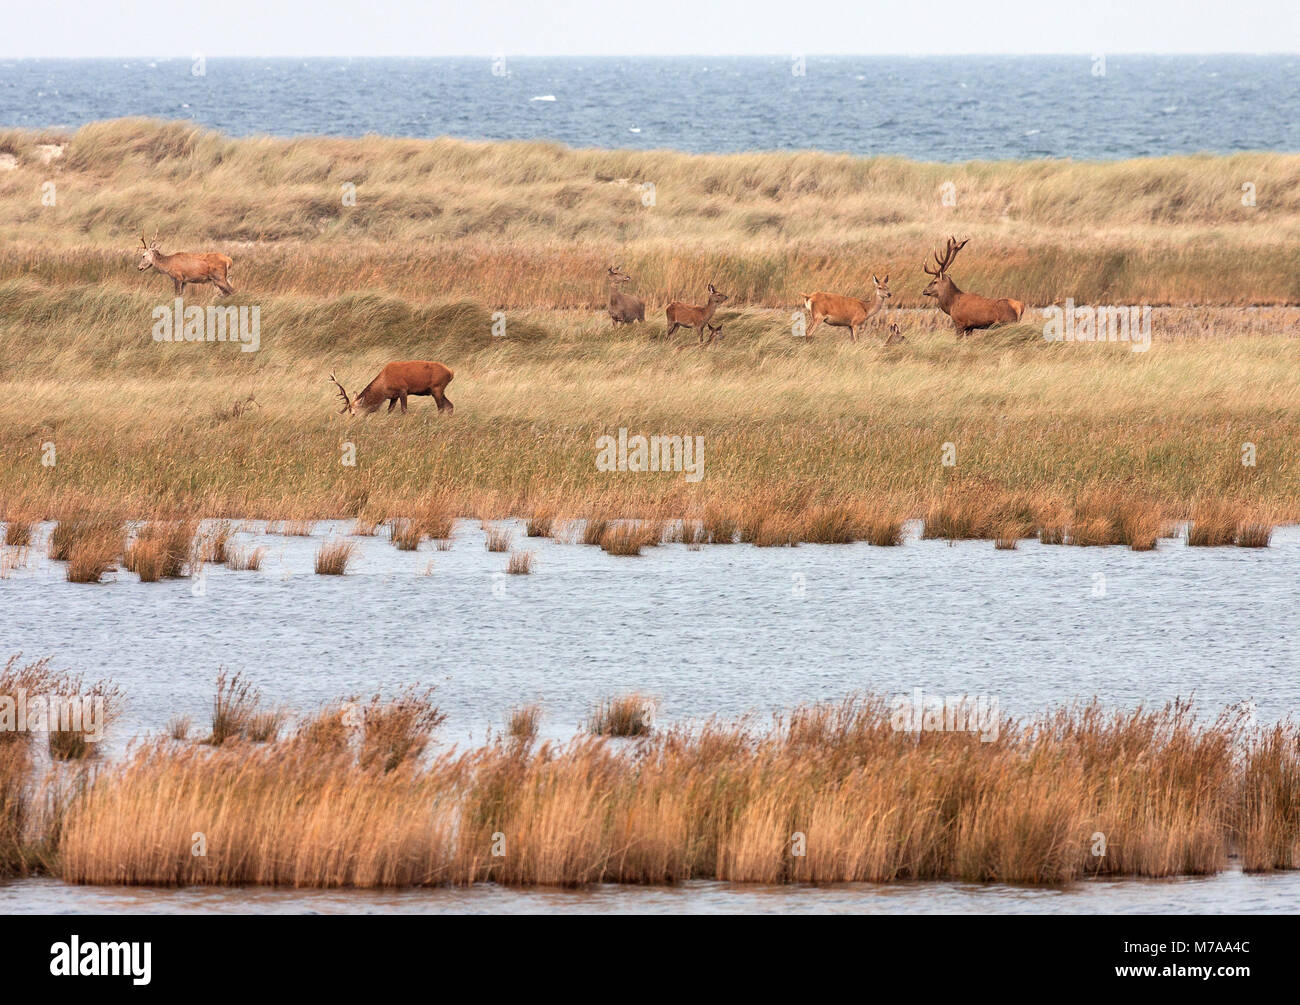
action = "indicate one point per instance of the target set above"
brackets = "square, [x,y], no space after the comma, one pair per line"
[623,307]
[968,311]
[682,315]
[396,382]
[185,268]
[845,312]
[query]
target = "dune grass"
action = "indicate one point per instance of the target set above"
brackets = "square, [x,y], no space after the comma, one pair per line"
[445,233]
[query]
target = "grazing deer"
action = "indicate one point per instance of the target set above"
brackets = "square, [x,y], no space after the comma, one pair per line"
[395,382]
[845,312]
[682,315]
[967,310]
[183,267]
[623,307]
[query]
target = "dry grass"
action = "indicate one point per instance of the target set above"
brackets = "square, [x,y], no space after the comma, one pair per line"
[540,524]
[94,552]
[178,727]
[19,532]
[404,534]
[625,715]
[520,564]
[829,793]
[524,722]
[164,550]
[800,440]
[498,539]
[216,543]
[245,559]
[629,538]
[332,558]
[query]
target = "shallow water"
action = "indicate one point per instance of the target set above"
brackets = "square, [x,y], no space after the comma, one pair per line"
[1230,892]
[723,630]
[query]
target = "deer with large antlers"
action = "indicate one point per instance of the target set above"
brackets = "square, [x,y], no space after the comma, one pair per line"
[682,315]
[395,383]
[968,311]
[845,312]
[623,307]
[185,268]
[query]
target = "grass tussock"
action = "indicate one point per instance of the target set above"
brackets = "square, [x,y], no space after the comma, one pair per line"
[520,564]
[245,559]
[826,794]
[623,716]
[94,552]
[524,722]
[19,532]
[164,550]
[333,557]
[629,538]
[498,539]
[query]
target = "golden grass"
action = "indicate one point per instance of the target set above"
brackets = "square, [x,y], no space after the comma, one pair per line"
[520,564]
[625,715]
[19,532]
[245,559]
[829,793]
[333,557]
[164,550]
[498,539]
[524,722]
[800,439]
[94,552]
[629,538]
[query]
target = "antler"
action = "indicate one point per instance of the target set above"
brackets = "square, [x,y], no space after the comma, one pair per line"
[143,242]
[946,261]
[347,402]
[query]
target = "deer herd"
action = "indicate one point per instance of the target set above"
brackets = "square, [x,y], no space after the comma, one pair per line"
[399,380]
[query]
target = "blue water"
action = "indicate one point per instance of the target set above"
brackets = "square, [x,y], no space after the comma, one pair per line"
[947,108]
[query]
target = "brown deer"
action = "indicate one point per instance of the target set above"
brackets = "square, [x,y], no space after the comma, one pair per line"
[396,382]
[895,335]
[682,315]
[623,307]
[185,268]
[845,312]
[967,310]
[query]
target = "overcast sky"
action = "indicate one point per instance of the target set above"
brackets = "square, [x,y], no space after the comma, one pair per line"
[680,27]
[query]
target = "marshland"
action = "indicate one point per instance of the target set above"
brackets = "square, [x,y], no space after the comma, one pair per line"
[1054,524]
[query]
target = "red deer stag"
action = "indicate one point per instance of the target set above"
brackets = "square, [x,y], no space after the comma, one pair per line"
[682,315]
[845,312]
[185,268]
[623,307]
[396,382]
[967,310]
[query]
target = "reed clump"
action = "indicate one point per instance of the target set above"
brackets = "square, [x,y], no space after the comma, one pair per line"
[245,559]
[625,715]
[1214,526]
[333,557]
[366,800]
[94,552]
[19,532]
[404,534]
[629,537]
[498,539]
[524,722]
[520,564]
[164,550]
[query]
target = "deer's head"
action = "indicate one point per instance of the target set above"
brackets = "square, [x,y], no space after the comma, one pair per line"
[149,253]
[882,286]
[941,285]
[617,275]
[349,404]
[716,298]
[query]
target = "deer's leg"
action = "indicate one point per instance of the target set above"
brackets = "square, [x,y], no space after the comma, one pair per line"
[403,400]
[178,286]
[672,329]
[817,319]
[392,403]
[853,333]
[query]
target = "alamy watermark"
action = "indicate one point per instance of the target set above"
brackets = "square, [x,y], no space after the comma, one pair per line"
[54,713]
[931,713]
[178,323]
[651,453]
[1098,324]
